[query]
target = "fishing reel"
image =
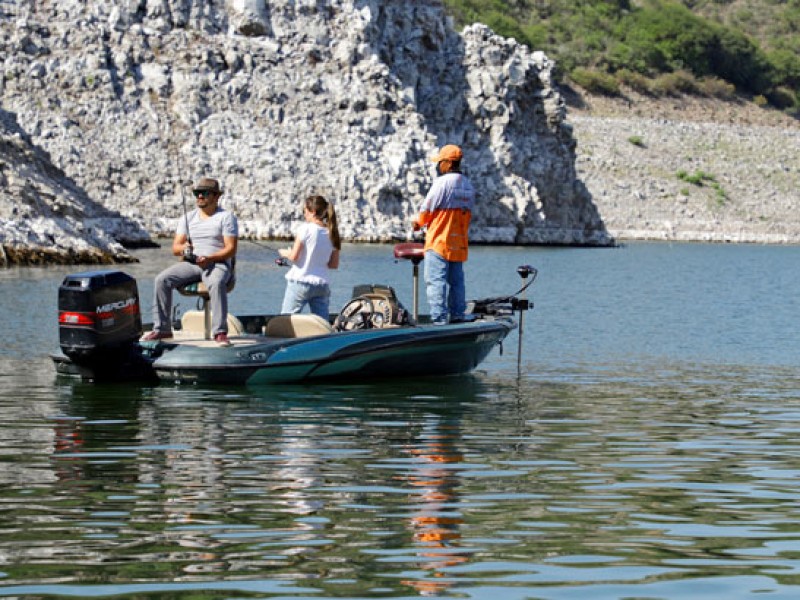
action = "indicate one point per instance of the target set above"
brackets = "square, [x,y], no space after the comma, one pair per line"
[188,255]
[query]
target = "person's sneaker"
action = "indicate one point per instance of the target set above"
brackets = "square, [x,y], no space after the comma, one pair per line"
[222,339]
[155,335]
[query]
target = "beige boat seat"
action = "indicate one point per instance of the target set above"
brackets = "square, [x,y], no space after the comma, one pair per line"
[199,290]
[194,321]
[295,326]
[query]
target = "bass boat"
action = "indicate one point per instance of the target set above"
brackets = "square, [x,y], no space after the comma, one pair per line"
[373,336]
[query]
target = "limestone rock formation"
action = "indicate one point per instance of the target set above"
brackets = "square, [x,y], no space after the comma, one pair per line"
[279,98]
[45,217]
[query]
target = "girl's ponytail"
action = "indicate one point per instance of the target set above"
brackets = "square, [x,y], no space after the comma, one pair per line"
[324,211]
[333,228]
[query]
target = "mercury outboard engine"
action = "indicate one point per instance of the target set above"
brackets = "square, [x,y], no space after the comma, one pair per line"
[99,322]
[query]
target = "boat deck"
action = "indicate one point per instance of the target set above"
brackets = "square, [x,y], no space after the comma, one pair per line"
[193,338]
[247,330]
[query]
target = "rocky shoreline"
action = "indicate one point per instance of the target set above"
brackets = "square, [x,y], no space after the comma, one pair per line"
[640,159]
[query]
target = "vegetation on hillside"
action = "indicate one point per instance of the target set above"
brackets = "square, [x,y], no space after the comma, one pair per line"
[659,47]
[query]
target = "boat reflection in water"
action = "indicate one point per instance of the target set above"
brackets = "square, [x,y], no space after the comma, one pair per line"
[436,518]
[300,483]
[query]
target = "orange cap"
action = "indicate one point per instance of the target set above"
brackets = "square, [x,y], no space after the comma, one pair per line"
[449,152]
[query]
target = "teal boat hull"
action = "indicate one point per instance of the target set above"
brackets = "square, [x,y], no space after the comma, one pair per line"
[362,354]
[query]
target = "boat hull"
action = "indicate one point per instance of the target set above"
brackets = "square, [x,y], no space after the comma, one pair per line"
[355,355]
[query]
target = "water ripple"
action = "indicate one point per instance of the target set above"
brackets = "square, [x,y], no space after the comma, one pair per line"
[612,486]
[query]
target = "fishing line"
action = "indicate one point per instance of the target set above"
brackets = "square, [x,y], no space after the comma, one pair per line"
[188,253]
[189,245]
[280,260]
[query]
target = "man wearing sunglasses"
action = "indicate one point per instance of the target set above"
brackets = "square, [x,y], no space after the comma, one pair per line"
[206,239]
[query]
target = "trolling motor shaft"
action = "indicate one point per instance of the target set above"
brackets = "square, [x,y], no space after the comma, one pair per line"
[521,304]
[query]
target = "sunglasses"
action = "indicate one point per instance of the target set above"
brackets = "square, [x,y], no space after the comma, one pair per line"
[203,194]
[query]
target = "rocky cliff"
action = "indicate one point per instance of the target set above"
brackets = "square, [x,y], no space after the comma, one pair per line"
[47,217]
[348,98]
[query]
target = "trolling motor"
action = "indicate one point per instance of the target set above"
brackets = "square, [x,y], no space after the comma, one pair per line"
[508,305]
[524,271]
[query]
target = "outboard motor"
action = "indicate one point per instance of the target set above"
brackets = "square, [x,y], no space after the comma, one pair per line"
[99,319]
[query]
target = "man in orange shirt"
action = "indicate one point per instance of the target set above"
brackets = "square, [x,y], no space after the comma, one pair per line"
[446,213]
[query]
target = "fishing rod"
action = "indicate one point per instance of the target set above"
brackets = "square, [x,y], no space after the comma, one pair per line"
[188,250]
[280,261]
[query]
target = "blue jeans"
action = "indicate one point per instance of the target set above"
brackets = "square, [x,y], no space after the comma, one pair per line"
[298,294]
[444,281]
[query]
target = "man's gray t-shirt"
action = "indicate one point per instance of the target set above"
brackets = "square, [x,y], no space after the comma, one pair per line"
[207,234]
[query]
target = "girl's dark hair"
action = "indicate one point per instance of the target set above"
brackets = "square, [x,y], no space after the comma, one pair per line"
[323,210]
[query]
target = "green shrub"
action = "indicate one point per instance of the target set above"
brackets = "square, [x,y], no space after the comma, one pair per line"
[722,197]
[635,81]
[595,82]
[737,59]
[716,88]
[636,140]
[697,179]
[668,37]
[782,97]
[674,84]
[752,46]
[536,35]
[504,25]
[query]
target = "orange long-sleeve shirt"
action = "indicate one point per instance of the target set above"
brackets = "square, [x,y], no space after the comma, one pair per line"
[446,212]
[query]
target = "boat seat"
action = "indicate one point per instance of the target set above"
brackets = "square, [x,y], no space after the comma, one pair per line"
[413,251]
[199,290]
[296,326]
[194,321]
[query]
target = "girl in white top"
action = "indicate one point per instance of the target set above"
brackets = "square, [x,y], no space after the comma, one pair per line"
[315,251]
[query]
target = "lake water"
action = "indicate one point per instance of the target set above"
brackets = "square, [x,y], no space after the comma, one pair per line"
[648,447]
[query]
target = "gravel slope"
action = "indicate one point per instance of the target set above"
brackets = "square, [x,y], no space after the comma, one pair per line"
[631,151]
